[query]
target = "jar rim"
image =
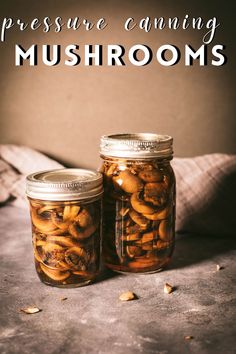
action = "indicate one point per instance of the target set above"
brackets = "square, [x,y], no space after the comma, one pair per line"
[137,145]
[64,184]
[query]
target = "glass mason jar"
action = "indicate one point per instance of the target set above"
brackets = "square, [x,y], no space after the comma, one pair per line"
[139,202]
[65,208]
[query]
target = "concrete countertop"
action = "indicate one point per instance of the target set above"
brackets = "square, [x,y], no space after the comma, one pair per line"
[94,320]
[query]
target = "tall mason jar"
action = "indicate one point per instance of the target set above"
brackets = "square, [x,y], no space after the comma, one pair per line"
[139,202]
[65,207]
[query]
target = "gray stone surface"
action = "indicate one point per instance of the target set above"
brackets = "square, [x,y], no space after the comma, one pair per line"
[94,320]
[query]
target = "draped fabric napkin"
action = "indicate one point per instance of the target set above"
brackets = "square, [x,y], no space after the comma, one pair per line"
[206,187]
[16,162]
[206,194]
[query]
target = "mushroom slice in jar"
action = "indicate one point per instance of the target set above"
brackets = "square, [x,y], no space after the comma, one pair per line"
[112,169]
[62,264]
[37,256]
[40,243]
[49,247]
[128,182]
[149,236]
[133,251]
[138,219]
[156,193]
[131,237]
[34,204]
[140,205]
[151,175]
[56,232]
[84,219]
[38,236]
[159,215]
[162,244]
[65,241]
[148,246]
[54,274]
[132,229]
[165,230]
[58,221]
[70,212]
[43,225]
[56,266]
[49,207]
[79,233]
[53,253]
[77,258]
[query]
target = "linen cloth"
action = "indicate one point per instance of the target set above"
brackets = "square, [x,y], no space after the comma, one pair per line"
[206,194]
[16,162]
[206,187]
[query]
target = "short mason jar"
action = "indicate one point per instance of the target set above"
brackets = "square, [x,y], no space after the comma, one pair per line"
[139,202]
[65,207]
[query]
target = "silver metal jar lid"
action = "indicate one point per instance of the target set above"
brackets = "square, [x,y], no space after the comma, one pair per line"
[64,184]
[137,145]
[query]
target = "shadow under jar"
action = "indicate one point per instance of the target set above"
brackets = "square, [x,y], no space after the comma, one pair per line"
[65,207]
[139,202]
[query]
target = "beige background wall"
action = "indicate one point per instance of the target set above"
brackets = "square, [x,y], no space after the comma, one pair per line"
[62,111]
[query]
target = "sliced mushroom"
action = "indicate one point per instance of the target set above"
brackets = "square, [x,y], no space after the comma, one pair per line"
[131,237]
[161,244]
[79,233]
[34,204]
[49,207]
[111,170]
[58,221]
[70,212]
[55,266]
[151,175]
[63,265]
[159,215]
[54,274]
[141,206]
[37,256]
[128,182]
[56,232]
[65,241]
[149,236]
[148,246]
[132,229]
[40,243]
[133,251]
[84,219]
[43,225]
[138,219]
[38,236]
[165,230]
[77,258]
[156,193]
[50,247]
[53,253]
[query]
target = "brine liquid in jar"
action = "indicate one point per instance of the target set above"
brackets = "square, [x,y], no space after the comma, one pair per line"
[65,208]
[139,202]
